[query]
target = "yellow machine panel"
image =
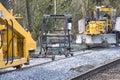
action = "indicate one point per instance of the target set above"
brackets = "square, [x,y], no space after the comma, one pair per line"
[15,42]
[95,27]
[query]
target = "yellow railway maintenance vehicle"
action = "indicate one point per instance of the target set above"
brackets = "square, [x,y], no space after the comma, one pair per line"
[15,42]
[102,30]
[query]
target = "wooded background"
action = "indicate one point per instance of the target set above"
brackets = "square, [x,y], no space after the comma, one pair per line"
[78,8]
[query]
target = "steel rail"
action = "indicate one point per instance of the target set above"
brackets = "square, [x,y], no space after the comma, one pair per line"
[96,70]
[38,64]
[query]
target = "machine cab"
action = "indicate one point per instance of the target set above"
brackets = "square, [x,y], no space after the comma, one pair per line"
[104,12]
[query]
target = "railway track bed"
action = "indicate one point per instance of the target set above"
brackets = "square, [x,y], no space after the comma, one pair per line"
[112,73]
[87,71]
[42,60]
[64,69]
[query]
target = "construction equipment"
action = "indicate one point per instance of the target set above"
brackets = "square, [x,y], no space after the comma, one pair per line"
[101,30]
[59,41]
[15,42]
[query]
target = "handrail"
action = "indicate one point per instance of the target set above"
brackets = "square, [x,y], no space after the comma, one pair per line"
[12,42]
[7,42]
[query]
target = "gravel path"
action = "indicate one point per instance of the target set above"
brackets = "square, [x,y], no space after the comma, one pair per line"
[61,70]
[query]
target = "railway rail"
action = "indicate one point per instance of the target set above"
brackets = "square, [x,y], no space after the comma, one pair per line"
[71,67]
[96,70]
[30,66]
[83,51]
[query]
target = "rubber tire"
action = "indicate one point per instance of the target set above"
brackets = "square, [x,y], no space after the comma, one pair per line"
[53,58]
[72,54]
[18,67]
[105,44]
[66,55]
[28,61]
[88,47]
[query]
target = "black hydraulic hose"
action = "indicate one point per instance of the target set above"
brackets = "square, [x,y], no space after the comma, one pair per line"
[12,42]
[1,40]
[7,42]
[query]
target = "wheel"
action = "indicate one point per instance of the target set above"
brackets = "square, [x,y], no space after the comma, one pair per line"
[18,67]
[66,55]
[71,54]
[40,53]
[105,44]
[59,53]
[28,61]
[88,47]
[117,45]
[53,58]
[31,54]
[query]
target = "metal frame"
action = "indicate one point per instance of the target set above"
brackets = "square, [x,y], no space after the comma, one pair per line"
[66,35]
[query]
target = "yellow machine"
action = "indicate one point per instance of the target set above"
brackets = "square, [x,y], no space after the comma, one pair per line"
[15,42]
[100,29]
[103,17]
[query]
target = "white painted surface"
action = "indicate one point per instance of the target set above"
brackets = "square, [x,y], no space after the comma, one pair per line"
[117,25]
[79,39]
[69,26]
[98,39]
[81,25]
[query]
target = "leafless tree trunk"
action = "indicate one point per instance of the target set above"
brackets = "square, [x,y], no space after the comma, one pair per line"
[28,16]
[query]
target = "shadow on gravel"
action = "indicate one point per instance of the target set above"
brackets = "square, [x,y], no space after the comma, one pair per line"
[83,68]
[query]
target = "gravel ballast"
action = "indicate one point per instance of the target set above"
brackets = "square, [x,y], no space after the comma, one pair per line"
[62,69]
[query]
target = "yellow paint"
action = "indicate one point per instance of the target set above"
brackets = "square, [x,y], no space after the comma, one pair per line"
[98,26]
[23,42]
[106,9]
[15,63]
[2,27]
[95,28]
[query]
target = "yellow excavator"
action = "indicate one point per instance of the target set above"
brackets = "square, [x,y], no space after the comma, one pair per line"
[102,30]
[15,42]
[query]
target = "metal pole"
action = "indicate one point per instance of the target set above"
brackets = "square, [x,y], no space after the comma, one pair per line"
[54,7]
[55,10]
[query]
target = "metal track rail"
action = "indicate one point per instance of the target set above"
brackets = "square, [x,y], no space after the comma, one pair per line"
[83,51]
[30,66]
[96,70]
